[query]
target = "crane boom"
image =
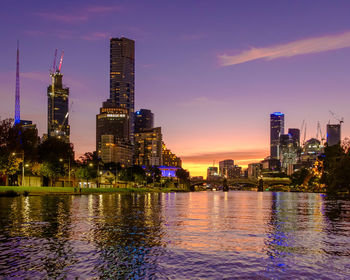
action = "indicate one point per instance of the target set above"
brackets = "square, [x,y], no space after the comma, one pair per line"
[61,60]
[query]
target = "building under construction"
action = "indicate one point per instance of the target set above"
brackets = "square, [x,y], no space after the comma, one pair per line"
[58,108]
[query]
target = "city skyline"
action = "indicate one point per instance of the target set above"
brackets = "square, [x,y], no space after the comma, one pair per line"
[207,111]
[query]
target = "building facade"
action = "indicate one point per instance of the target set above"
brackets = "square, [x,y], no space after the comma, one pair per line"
[148,147]
[143,119]
[112,120]
[212,173]
[122,76]
[170,159]
[224,166]
[116,151]
[333,134]
[57,109]
[276,129]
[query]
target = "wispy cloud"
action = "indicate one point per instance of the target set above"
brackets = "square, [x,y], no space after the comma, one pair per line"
[236,155]
[80,15]
[96,36]
[305,46]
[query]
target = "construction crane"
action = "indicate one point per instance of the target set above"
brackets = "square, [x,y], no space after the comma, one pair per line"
[340,120]
[61,60]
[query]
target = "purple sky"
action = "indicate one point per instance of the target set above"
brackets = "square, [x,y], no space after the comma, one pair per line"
[289,56]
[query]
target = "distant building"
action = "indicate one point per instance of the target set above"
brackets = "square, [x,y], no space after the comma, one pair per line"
[197,178]
[212,173]
[333,134]
[234,172]
[276,129]
[224,167]
[288,152]
[115,151]
[57,109]
[311,150]
[271,164]
[295,134]
[254,170]
[143,119]
[148,147]
[112,120]
[170,159]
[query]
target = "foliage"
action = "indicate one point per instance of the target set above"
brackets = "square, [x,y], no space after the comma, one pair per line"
[86,172]
[336,174]
[51,170]
[183,175]
[154,174]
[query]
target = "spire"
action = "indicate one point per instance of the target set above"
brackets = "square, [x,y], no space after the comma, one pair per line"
[17,102]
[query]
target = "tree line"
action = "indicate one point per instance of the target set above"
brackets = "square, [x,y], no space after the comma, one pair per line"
[53,158]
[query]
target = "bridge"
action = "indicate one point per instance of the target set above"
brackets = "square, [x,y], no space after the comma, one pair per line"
[241,183]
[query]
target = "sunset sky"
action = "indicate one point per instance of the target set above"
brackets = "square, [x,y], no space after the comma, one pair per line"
[211,71]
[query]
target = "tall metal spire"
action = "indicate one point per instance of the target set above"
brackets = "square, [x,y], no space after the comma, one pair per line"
[17,102]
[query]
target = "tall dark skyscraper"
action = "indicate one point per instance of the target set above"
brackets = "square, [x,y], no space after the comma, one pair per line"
[122,76]
[276,129]
[143,119]
[333,134]
[116,118]
[57,113]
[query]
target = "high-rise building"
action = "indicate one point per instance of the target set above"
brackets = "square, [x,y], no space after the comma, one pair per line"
[148,147]
[143,119]
[122,76]
[288,152]
[117,113]
[57,114]
[254,170]
[276,129]
[225,166]
[295,134]
[333,134]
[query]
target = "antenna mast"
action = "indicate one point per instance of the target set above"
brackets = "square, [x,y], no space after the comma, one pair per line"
[17,102]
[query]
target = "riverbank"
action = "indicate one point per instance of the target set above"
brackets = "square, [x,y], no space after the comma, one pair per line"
[18,190]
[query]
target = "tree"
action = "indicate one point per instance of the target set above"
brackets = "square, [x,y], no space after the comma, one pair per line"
[51,170]
[183,175]
[155,174]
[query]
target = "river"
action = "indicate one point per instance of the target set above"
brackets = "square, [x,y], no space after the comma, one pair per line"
[201,235]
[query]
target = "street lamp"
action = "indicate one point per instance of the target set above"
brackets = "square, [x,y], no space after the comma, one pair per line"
[22,153]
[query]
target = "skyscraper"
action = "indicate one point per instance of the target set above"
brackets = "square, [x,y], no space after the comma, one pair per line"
[122,76]
[57,115]
[143,119]
[116,116]
[333,134]
[276,129]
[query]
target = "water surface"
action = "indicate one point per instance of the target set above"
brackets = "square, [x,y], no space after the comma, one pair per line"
[203,235]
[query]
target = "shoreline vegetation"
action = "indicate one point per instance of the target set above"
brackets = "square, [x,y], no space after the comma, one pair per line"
[19,190]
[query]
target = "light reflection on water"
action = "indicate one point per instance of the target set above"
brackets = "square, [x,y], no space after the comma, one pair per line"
[209,235]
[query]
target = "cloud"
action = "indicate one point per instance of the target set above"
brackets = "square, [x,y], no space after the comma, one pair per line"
[82,14]
[36,76]
[96,36]
[243,156]
[305,46]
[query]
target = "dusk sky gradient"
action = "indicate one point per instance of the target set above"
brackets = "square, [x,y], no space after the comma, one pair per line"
[211,71]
